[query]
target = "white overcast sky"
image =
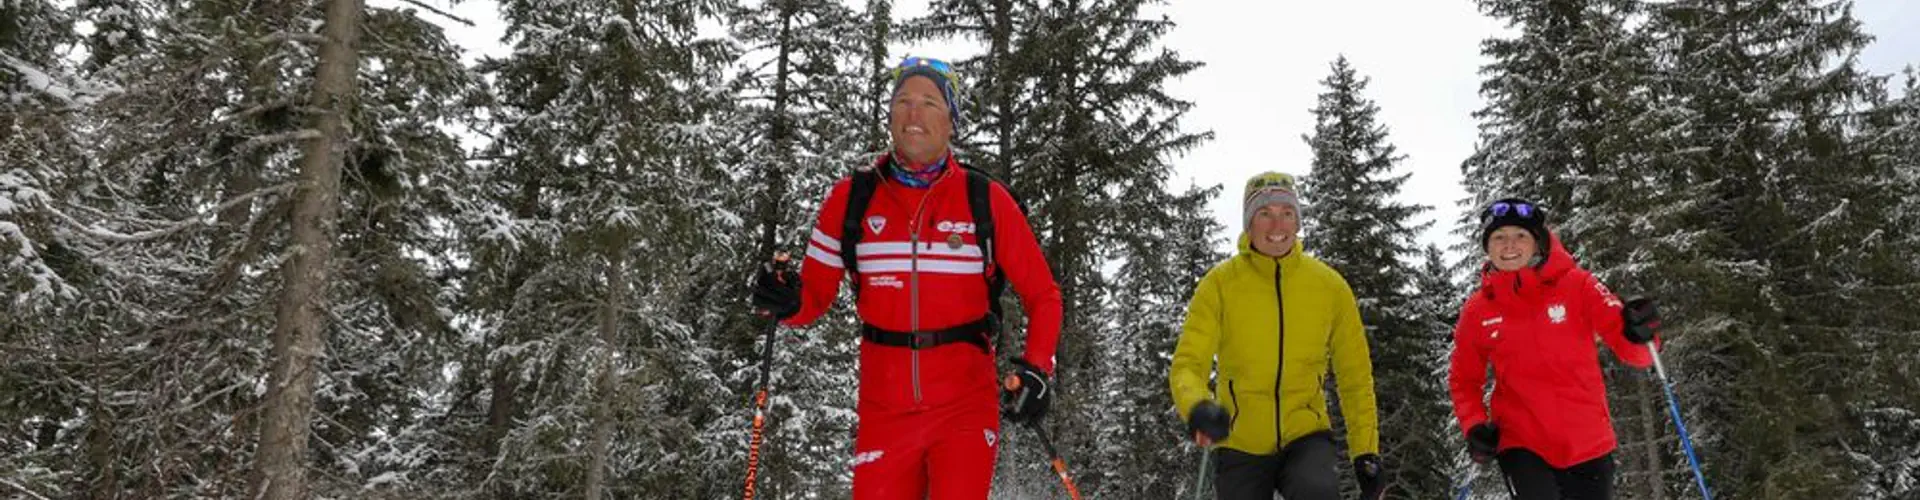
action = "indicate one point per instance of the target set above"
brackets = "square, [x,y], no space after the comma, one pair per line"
[1264,61]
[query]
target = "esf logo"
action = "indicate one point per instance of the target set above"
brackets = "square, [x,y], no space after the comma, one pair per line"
[947,226]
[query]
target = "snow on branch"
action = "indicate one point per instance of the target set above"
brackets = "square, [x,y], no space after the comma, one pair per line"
[46,283]
[1825,219]
[270,139]
[442,13]
[22,489]
[71,94]
[198,220]
[290,36]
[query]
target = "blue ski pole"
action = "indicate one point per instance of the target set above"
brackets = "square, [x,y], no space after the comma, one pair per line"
[1466,484]
[1673,406]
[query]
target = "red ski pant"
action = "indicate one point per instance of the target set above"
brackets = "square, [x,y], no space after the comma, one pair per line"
[940,454]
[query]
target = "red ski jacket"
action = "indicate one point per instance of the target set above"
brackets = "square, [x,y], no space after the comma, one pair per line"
[1536,327]
[920,269]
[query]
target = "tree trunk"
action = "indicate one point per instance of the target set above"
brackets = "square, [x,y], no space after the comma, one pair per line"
[1000,50]
[605,382]
[504,379]
[280,466]
[780,135]
[880,13]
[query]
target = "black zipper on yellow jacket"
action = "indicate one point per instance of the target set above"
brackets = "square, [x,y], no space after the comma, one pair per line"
[1280,365]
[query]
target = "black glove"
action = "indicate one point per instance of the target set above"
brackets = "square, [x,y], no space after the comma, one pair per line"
[776,290]
[1207,418]
[1482,442]
[1025,394]
[1642,319]
[1372,474]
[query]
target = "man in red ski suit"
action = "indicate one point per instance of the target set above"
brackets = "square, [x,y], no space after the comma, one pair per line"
[929,404]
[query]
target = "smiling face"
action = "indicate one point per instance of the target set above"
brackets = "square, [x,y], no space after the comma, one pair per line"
[1511,248]
[919,121]
[1274,228]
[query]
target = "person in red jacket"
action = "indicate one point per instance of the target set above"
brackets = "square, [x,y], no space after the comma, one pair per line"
[929,404]
[1534,320]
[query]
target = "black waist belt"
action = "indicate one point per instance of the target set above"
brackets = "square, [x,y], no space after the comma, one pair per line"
[978,332]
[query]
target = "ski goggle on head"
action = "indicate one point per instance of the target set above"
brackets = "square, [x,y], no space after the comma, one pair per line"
[936,65]
[1520,208]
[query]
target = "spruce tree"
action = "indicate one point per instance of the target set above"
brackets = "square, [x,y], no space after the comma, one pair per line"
[40,282]
[1790,215]
[36,140]
[609,133]
[811,109]
[1174,244]
[1352,222]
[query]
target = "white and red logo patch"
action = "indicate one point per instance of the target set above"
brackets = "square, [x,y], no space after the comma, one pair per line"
[867,457]
[1612,300]
[887,281]
[956,227]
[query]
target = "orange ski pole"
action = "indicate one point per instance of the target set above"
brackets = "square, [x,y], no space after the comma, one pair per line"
[1059,464]
[760,397]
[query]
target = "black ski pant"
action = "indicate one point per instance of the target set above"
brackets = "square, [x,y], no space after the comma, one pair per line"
[1303,470]
[1530,478]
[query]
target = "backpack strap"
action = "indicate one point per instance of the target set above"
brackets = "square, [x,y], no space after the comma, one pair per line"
[980,202]
[861,195]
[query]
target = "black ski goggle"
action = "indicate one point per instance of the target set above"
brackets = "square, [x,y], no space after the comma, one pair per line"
[1523,209]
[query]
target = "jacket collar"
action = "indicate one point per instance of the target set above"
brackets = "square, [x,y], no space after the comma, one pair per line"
[1265,263]
[881,164]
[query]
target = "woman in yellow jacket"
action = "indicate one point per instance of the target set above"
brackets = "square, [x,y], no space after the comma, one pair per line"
[1276,319]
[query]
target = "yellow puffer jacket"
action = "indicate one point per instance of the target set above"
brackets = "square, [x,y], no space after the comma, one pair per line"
[1236,316]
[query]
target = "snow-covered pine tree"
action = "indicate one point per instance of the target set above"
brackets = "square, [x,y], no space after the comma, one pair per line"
[1352,221]
[302,316]
[1791,219]
[1888,136]
[1560,92]
[162,226]
[609,133]
[383,394]
[225,148]
[1900,475]
[1437,299]
[1174,242]
[808,96]
[37,140]
[41,281]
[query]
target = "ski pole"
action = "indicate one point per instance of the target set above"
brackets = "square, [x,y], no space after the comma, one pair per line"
[1200,482]
[1673,406]
[766,371]
[1466,484]
[1053,457]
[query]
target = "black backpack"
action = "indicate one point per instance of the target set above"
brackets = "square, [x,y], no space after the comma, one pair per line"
[980,204]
